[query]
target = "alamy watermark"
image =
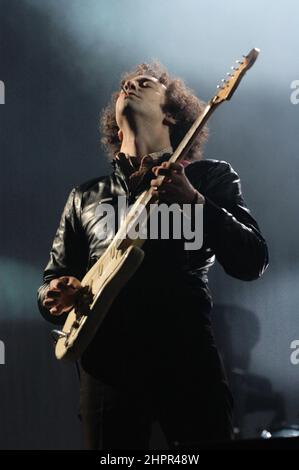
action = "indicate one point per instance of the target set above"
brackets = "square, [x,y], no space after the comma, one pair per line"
[2,353]
[294,357]
[2,92]
[163,221]
[294,98]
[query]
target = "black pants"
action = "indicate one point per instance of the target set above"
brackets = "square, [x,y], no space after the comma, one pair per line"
[120,416]
[154,358]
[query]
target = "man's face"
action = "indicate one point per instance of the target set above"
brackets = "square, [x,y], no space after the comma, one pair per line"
[141,96]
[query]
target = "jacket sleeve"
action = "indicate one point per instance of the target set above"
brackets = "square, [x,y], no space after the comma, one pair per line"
[230,230]
[68,255]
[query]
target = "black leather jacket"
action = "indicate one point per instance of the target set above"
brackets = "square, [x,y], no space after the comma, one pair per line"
[230,233]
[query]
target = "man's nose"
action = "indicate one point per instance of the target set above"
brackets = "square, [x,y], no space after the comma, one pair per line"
[130,85]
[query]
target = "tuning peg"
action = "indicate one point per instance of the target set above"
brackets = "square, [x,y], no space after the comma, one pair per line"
[220,87]
[230,74]
[234,68]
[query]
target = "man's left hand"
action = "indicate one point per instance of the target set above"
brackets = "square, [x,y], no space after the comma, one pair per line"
[175,186]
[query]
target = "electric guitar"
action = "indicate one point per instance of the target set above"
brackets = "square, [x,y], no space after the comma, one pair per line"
[103,282]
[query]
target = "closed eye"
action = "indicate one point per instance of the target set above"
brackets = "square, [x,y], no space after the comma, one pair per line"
[145,82]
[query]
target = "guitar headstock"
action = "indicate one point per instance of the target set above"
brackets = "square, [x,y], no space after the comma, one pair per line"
[229,85]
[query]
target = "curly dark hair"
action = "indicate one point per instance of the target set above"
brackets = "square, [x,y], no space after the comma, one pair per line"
[180,102]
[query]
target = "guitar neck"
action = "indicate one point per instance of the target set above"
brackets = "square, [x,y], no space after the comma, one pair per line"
[186,143]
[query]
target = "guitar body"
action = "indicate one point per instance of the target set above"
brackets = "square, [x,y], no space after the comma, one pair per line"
[106,279]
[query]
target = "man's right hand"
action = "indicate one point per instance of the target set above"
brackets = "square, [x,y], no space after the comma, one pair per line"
[61,295]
